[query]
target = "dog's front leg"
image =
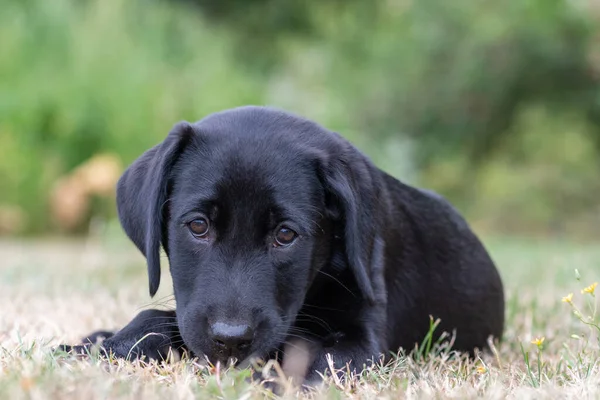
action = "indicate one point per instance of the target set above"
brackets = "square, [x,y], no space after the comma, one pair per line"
[152,333]
[347,355]
[306,360]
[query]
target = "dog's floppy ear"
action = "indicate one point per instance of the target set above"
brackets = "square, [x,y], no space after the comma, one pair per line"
[351,196]
[142,193]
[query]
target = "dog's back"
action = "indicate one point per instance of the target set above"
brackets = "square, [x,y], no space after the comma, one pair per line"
[439,268]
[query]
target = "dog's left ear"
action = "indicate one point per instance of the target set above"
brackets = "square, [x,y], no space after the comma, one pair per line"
[142,194]
[352,197]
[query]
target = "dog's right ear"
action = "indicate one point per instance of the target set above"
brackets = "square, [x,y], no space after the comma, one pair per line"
[142,193]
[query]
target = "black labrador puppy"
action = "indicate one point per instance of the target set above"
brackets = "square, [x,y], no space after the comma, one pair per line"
[276,228]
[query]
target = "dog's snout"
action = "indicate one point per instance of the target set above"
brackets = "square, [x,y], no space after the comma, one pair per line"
[231,337]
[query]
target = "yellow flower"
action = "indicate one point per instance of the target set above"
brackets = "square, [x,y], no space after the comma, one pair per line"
[568,298]
[481,370]
[590,289]
[538,341]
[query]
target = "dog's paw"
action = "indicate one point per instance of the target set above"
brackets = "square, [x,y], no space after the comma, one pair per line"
[118,347]
[88,345]
[151,335]
[79,350]
[108,350]
[69,349]
[97,337]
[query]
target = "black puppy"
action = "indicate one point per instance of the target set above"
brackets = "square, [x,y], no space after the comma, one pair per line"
[277,228]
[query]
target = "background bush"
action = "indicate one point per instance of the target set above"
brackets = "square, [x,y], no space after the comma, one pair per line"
[494,104]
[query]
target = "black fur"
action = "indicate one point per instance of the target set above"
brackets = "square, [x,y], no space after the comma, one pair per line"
[373,260]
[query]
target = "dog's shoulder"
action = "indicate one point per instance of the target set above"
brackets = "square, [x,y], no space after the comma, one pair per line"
[425,208]
[442,205]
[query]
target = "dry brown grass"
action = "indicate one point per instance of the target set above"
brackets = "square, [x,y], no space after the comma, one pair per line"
[55,292]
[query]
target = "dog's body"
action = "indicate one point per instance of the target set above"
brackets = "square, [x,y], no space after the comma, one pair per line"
[276,228]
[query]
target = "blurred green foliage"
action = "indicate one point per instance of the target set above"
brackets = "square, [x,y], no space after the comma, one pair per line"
[494,104]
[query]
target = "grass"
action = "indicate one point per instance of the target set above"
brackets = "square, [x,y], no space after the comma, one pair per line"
[54,292]
[79,78]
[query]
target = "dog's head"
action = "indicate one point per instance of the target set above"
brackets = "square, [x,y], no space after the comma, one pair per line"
[246,204]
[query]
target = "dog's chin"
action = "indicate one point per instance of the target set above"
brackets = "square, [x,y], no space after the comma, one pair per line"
[242,360]
[213,357]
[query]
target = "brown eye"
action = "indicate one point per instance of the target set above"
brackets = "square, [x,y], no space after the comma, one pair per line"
[285,237]
[199,227]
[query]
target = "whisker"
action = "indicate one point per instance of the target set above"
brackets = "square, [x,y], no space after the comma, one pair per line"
[176,328]
[338,281]
[300,337]
[299,330]
[155,304]
[314,318]
[305,330]
[172,343]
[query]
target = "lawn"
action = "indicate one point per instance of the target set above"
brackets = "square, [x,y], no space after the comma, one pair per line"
[54,292]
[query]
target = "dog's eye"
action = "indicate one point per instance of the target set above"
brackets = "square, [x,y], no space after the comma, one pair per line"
[199,227]
[285,236]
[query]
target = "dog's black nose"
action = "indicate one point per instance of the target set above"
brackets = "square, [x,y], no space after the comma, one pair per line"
[230,337]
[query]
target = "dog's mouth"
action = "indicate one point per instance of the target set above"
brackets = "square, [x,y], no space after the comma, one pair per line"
[241,355]
[228,357]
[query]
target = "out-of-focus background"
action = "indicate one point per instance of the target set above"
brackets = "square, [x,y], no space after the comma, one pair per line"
[494,104]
